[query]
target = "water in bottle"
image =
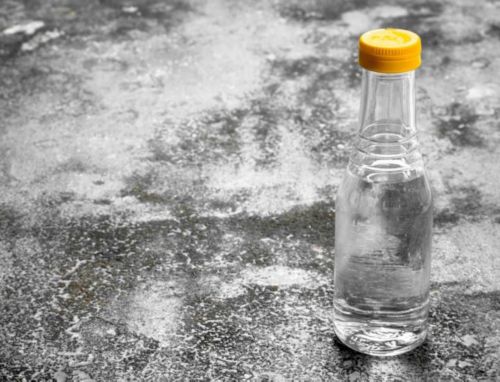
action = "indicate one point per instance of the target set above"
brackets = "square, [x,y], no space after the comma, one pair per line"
[383,220]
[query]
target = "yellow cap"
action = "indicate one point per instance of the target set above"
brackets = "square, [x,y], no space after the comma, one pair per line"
[389,50]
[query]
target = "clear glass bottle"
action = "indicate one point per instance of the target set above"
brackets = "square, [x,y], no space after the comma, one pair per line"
[383,223]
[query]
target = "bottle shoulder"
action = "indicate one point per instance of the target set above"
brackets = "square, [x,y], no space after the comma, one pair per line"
[396,190]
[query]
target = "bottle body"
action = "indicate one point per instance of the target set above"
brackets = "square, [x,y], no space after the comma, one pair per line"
[383,226]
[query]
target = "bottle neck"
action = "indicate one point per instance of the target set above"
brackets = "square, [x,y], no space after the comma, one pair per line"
[386,147]
[387,106]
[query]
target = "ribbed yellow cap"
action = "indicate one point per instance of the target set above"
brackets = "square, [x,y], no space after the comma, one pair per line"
[389,50]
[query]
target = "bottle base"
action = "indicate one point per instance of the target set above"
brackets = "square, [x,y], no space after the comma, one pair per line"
[381,341]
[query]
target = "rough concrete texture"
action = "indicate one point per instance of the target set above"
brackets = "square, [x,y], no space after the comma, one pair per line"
[168,174]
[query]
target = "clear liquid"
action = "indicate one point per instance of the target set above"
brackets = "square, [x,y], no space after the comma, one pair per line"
[382,261]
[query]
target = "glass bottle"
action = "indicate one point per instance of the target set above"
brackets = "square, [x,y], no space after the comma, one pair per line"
[383,221]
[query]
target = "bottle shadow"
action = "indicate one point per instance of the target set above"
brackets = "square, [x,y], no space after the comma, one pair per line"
[414,363]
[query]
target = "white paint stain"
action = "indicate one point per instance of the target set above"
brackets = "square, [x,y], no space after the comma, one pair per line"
[469,340]
[357,21]
[153,311]
[457,258]
[81,376]
[60,376]
[130,9]
[230,290]
[388,11]
[281,276]
[294,179]
[160,214]
[40,39]
[28,28]
[480,92]
[273,276]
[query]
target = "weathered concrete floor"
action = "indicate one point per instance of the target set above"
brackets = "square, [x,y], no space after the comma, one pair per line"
[168,172]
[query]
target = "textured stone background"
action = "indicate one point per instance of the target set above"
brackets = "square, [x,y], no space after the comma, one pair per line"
[168,171]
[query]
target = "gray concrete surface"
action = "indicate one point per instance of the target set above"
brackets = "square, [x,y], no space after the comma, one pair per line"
[168,172]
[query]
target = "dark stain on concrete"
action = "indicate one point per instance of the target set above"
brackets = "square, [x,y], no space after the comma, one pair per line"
[103,202]
[310,10]
[217,331]
[227,340]
[257,253]
[106,249]
[223,126]
[452,316]
[10,222]
[265,131]
[164,13]
[445,217]
[326,74]
[73,165]
[140,359]
[431,38]
[422,19]
[314,224]
[232,338]
[353,70]
[456,315]
[445,61]
[139,185]
[200,241]
[494,30]
[227,205]
[294,68]
[109,240]
[62,91]
[431,35]
[322,82]
[458,126]
[468,201]
[10,45]
[426,9]
[52,201]
[317,106]
[124,26]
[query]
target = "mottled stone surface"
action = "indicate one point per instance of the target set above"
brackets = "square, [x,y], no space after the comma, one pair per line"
[168,172]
